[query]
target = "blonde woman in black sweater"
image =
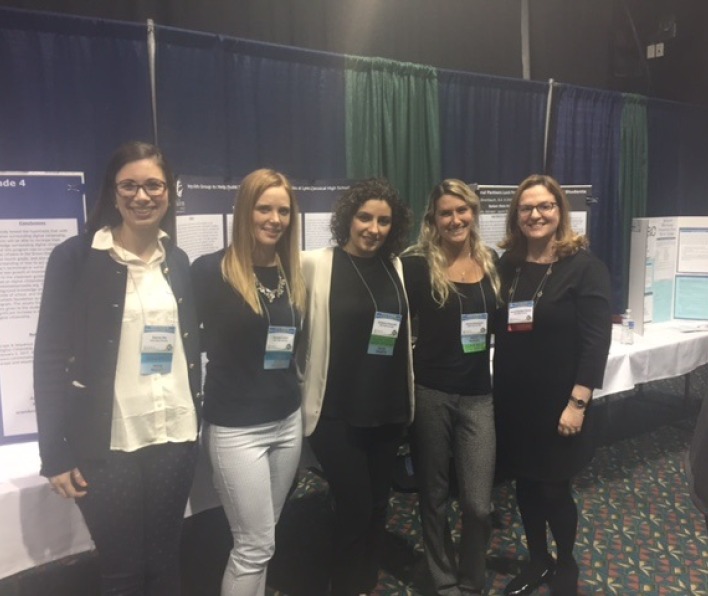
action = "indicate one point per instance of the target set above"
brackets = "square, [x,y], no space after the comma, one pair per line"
[250,298]
[452,288]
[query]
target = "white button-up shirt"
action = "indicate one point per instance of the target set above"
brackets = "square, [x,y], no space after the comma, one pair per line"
[154,408]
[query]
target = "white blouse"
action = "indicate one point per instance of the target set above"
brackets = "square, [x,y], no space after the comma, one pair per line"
[154,408]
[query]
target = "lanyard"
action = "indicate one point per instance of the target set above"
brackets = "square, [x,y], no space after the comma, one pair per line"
[280,341]
[481,291]
[539,290]
[368,289]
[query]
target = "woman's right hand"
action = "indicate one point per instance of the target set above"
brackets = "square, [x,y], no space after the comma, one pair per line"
[68,484]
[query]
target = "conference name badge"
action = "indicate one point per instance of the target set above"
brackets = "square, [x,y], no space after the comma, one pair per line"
[156,349]
[384,334]
[279,347]
[473,332]
[520,316]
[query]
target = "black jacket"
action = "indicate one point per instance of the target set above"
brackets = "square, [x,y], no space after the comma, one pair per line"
[76,348]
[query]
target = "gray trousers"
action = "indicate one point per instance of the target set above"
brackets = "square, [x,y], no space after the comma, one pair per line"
[462,427]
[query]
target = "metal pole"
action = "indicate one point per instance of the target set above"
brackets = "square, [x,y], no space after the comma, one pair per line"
[549,104]
[151,67]
[525,41]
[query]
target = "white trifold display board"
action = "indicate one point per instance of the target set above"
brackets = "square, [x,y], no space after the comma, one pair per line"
[668,270]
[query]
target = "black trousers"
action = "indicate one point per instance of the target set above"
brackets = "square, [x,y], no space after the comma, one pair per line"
[358,464]
[134,508]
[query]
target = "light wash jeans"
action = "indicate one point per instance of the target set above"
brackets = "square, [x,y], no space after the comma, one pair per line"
[253,468]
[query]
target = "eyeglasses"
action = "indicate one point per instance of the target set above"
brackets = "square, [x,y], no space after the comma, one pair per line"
[153,188]
[542,208]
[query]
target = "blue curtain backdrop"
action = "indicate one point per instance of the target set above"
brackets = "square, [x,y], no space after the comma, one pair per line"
[286,110]
[192,113]
[491,128]
[74,88]
[228,106]
[678,159]
[585,149]
[71,90]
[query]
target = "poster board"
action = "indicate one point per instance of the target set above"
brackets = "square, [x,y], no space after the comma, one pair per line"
[205,212]
[495,201]
[668,270]
[38,210]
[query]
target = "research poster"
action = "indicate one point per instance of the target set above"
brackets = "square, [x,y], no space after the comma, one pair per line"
[38,210]
[668,269]
[495,201]
[660,269]
[692,269]
[205,212]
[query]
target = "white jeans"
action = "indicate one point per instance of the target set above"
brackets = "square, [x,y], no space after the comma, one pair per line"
[253,467]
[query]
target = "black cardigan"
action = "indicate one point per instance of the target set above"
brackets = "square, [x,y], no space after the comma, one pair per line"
[78,336]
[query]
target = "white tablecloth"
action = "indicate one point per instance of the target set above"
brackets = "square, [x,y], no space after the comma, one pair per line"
[37,526]
[661,353]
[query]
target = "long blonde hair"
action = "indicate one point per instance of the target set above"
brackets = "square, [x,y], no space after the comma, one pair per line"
[566,242]
[429,243]
[237,264]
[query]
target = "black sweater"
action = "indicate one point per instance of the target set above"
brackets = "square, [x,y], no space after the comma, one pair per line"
[238,391]
[438,358]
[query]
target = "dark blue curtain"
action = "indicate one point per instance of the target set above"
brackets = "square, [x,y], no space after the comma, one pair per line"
[192,115]
[584,148]
[71,90]
[491,128]
[229,106]
[286,110]
[678,159]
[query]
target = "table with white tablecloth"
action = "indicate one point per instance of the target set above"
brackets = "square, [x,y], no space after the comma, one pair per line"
[665,351]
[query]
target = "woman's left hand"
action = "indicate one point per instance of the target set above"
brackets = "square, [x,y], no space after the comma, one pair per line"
[571,421]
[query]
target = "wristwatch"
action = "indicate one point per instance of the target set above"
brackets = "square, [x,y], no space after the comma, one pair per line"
[581,404]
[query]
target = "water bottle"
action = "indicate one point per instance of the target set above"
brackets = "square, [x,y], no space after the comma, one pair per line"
[627,336]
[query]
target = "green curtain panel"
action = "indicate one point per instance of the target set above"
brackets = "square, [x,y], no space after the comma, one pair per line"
[634,171]
[393,125]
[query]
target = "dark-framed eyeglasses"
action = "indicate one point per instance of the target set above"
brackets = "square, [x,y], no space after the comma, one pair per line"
[152,188]
[542,208]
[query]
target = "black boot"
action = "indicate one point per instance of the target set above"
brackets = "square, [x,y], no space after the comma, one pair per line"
[565,579]
[534,573]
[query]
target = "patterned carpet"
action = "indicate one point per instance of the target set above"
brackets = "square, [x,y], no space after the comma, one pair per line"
[639,531]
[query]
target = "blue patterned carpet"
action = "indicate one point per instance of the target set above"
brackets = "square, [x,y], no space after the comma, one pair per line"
[639,532]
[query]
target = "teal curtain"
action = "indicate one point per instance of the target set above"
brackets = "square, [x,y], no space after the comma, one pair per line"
[634,172]
[393,125]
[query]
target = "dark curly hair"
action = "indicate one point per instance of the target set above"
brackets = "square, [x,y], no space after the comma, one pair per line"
[378,189]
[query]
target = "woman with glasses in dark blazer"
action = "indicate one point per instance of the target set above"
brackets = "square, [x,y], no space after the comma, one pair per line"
[117,375]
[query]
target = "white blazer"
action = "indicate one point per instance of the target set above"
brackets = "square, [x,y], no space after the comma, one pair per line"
[313,351]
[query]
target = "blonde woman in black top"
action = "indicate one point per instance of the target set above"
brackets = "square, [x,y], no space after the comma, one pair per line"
[452,290]
[250,299]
